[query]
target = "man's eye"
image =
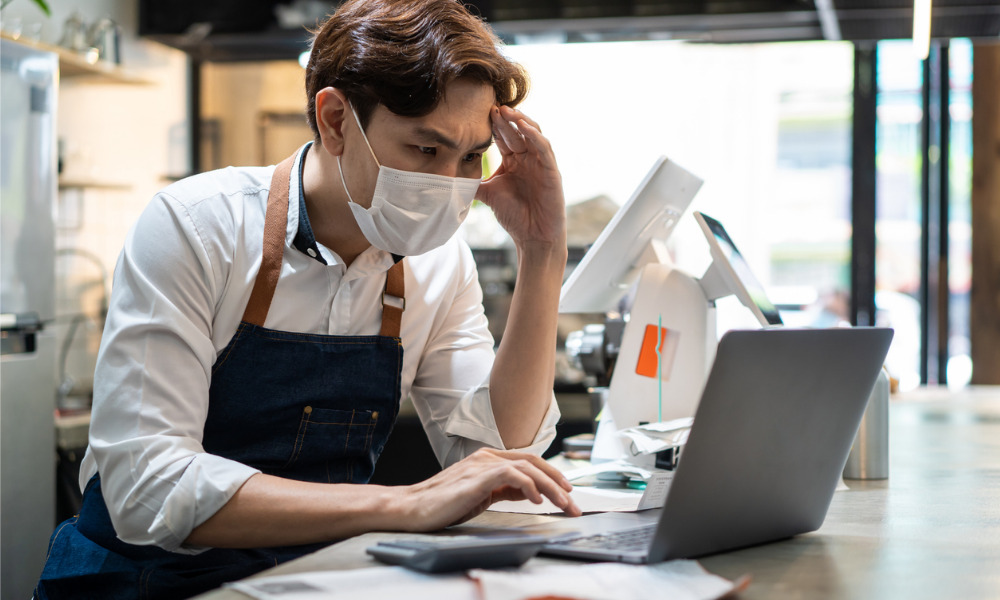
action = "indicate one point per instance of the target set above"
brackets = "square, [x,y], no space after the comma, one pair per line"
[427,150]
[474,157]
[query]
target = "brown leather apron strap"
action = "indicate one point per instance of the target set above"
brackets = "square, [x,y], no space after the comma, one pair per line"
[392,315]
[275,224]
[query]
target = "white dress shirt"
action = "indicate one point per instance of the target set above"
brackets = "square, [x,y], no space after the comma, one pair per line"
[181,284]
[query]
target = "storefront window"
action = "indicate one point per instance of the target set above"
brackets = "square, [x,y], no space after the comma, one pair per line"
[767,126]
[960,213]
[899,213]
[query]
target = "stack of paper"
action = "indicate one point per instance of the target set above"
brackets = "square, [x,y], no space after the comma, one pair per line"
[678,580]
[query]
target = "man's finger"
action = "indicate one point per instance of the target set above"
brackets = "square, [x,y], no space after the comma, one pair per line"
[553,473]
[517,115]
[498,138]
[524,482]
[545,484]
[509,134]
[539,145]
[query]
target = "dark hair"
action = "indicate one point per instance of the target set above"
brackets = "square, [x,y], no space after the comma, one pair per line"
[403,53]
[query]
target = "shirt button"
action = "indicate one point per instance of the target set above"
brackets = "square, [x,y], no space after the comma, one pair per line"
[311,252]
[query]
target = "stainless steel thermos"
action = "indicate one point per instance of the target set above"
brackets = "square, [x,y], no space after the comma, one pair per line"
[869,457]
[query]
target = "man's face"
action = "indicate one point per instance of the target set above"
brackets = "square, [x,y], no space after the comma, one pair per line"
[449,141]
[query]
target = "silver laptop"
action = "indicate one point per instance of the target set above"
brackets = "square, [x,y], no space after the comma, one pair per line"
[770,438]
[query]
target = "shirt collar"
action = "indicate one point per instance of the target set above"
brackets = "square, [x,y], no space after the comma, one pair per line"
[304,240]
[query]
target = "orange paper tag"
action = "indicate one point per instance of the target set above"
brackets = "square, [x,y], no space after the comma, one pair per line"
[647,366]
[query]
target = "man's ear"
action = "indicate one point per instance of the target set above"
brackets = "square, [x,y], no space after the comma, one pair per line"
[332,108]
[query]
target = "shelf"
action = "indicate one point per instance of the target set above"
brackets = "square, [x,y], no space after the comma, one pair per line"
[69,184]
[274,44]
[76,66]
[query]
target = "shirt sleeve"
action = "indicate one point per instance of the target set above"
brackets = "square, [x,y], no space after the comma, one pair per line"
[451,391]
[152,379]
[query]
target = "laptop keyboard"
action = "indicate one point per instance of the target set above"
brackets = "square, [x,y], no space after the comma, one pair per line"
[638,539]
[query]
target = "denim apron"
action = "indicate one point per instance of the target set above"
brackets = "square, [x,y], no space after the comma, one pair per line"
[309,407]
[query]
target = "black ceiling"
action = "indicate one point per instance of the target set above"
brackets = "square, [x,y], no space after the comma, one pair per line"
[737,20]
[893,19]
[228,33]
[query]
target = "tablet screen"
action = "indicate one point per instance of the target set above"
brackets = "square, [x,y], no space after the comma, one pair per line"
[754,290]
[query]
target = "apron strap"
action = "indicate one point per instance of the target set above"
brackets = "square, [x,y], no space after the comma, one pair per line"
[275,224]
[392,315]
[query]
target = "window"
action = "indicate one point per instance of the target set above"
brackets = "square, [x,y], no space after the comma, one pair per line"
[767,126]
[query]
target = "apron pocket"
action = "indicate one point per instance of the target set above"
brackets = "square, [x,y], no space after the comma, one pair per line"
[327,434]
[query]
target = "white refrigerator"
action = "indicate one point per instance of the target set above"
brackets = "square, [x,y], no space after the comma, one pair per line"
[29,82]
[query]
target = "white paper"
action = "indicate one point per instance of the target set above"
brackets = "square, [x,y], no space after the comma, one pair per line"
[667,426]
[677,580]
[617,466]
[655,494]
[375,583]
[587,498]
[591,499]
[656,437]
[607,444]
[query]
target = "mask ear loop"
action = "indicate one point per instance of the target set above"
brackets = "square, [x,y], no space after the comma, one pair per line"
[344,181]
[367,143]
[362,130]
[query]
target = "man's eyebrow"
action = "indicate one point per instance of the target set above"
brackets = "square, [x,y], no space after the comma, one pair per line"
[485,145]
[433,135]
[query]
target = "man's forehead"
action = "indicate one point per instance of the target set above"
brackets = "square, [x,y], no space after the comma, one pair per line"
[464,129]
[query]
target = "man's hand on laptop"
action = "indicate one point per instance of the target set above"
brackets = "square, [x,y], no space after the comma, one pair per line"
[470,486]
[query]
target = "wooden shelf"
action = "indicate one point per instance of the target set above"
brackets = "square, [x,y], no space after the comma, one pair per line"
[76,66]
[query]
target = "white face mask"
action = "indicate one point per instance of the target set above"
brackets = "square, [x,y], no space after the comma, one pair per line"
[411,213]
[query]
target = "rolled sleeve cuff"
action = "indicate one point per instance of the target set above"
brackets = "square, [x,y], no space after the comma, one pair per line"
[473,420]
[212,481]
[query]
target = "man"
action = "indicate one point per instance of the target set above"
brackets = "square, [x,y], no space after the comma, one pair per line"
[253,360]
